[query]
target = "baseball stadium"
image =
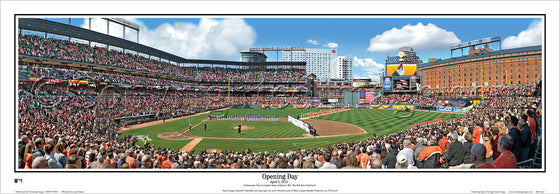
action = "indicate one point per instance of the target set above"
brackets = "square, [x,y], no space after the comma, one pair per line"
[128,105]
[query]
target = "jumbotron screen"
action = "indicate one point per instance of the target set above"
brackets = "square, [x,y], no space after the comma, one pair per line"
[401,70]
[401,84]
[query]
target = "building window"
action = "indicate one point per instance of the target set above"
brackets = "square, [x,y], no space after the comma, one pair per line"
[536,69]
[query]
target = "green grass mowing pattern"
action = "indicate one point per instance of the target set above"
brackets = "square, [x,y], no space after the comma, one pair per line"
[276,145]
[383,122]
[263,129]
[153,131]
[265,112]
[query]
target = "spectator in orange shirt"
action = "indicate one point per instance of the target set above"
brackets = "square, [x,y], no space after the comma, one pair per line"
[167,163]
[28,156]
[477,134]
[478,154]
[431,148]
[506,159]
[443,140]
[488,141]
[130,159]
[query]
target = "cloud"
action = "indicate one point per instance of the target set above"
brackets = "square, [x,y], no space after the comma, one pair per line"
[368,75]
[368,68]
[530,37]
[367,62]
[313,42]
[331,45]
[420,37]
[209,39]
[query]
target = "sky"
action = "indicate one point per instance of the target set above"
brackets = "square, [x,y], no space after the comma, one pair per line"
[368,40]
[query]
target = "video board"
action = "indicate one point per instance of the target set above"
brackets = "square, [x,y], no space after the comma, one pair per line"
[401,69]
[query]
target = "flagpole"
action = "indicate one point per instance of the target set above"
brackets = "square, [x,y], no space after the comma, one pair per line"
[481,84]
[228,89]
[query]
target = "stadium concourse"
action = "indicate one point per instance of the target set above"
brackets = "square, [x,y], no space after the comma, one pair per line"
[74,125]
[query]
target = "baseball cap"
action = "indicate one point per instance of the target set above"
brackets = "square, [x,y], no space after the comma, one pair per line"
[401,159]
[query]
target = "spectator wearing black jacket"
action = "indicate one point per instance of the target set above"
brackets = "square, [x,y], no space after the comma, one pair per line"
[515,134]
[456,153]
[391,159]
[525,138]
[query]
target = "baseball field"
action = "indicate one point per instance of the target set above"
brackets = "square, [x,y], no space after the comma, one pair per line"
[346,126]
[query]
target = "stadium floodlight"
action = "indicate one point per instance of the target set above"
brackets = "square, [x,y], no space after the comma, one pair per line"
[472,44]
[125,23]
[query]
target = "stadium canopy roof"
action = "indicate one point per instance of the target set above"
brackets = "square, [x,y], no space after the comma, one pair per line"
[52,27]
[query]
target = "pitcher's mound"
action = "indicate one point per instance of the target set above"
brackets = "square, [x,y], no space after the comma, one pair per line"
[176,136]
[245,128]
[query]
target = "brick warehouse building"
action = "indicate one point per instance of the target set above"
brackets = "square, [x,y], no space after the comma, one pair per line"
[504,67]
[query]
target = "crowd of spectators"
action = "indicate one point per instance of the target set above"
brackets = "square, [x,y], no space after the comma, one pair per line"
[416,99]
[500,132]
[77,128]
[476,91]
[97,77]
[72,74]
[53,48]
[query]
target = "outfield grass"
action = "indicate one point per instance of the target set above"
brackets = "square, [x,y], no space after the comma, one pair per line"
[262,129]
[276,145]
[381,122]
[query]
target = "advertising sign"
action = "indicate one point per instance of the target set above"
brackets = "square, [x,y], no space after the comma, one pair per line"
[333,100]
[325,106]
[379,106]
[302,106]
[402,107]
[275,106]
[34,79]
[388,84]
[51,80]
[401,70]
[315,100]
[446,109]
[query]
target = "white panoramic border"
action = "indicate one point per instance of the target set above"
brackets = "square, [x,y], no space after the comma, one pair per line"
[329,182]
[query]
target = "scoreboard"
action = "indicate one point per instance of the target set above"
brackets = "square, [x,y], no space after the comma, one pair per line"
[402,84]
